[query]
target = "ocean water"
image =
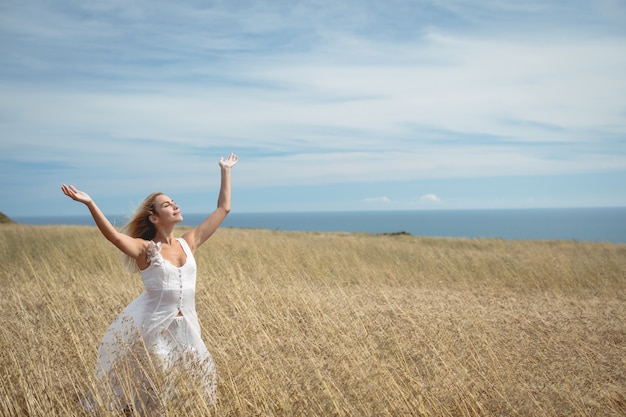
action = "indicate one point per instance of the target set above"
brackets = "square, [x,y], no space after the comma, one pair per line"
[583,224]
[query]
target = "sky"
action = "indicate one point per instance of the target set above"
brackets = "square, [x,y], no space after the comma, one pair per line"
[330,105]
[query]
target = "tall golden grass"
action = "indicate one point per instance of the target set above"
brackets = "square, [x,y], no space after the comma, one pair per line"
[331,324]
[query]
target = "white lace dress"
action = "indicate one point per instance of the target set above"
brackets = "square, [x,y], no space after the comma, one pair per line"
[155,344]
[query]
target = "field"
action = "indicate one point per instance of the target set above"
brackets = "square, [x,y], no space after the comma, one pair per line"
[331,324]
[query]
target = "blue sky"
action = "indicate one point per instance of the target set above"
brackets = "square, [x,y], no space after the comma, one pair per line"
[330,105]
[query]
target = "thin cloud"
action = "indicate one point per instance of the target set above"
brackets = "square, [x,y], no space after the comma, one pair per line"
[430,198]
[377,200]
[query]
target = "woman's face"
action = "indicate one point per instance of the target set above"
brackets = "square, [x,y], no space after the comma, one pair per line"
[167,210]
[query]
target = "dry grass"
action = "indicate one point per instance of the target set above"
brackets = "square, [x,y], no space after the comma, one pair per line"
[322,324]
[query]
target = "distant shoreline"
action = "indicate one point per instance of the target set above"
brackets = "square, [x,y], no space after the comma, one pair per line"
[584,224]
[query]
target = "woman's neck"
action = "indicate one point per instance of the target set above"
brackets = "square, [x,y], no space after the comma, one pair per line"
[164,236]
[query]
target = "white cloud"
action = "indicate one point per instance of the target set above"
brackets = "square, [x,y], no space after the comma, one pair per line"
[430,198]
[376,200]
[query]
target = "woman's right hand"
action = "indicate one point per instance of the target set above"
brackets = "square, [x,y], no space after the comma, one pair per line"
[76,195]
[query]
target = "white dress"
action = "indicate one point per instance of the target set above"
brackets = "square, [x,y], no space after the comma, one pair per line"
[155,342]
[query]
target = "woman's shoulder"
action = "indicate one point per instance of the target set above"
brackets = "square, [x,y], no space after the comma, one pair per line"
[150,250]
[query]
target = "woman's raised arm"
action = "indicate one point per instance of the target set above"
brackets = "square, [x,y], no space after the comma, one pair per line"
[132,247]
[197,236]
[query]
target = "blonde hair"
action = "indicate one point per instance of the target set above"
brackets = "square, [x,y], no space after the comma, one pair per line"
[140,225]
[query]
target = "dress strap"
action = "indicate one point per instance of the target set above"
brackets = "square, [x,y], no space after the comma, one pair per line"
[185,246]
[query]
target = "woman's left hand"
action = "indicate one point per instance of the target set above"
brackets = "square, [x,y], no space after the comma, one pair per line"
[229,162]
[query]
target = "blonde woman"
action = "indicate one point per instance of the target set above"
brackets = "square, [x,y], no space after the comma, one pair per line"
[157,336]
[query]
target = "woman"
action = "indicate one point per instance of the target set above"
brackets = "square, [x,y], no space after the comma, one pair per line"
[157,336]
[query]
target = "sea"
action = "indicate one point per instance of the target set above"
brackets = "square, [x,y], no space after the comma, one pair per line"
[579,224]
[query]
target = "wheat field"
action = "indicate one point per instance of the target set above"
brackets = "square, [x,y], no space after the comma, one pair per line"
[333,324]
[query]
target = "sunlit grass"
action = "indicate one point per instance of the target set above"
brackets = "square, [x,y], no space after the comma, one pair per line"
[323,324]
